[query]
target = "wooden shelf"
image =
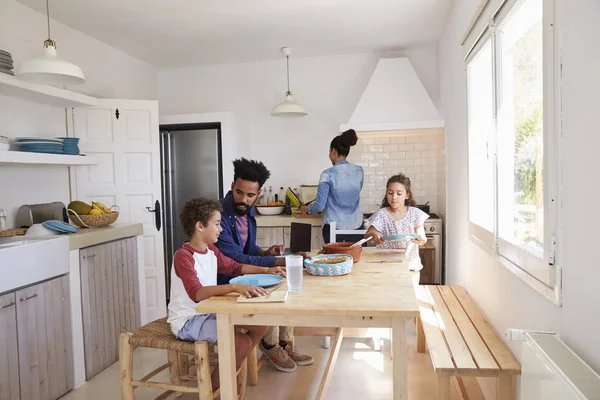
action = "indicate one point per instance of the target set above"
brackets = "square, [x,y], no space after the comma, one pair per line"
[12,87]
[21,157]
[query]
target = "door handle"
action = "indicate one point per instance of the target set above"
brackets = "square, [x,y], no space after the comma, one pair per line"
[28,298]
[157,214]
[8,305]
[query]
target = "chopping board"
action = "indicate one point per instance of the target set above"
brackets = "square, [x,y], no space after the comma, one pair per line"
[14,232]
[308,215]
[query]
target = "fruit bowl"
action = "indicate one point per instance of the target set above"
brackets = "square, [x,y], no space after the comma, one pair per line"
[270,210]
[92,219]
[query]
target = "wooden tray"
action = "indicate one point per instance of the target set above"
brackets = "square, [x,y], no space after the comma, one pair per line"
[307,215]
[14,232]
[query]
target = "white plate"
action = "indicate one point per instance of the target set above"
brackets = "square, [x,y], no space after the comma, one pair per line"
[38,143]
[38,140]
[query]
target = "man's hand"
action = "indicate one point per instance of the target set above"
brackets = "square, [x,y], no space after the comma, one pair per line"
[249,290]
[276,271]
[304,210]
[304,255]
[276,250]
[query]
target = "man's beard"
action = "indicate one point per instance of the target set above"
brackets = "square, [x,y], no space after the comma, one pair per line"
[243,211]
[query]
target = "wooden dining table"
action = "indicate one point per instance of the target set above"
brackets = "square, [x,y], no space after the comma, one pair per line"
[377,293]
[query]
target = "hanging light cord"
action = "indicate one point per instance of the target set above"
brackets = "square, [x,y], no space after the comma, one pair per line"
[287,59]
[48,14]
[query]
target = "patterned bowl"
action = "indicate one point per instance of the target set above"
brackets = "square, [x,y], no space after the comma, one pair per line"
[329,265]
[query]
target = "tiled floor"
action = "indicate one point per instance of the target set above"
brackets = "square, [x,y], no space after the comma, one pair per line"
[360,374]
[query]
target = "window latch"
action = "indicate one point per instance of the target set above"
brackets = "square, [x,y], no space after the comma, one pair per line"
[552,255]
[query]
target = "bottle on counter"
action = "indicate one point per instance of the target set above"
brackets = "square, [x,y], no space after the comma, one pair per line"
[270,195]
[282,195]
[2,220]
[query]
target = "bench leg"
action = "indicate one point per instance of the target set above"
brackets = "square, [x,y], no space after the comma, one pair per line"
[377,343]
[443,387]
[506,388]
[420,336]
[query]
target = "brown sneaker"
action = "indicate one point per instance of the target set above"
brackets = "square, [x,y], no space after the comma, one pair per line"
[278,357]
[299,358]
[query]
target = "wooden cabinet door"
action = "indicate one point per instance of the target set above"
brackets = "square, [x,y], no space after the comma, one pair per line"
[267,237]
[110,300]
[427,254]
[44,342]
[9,362]
[317,238]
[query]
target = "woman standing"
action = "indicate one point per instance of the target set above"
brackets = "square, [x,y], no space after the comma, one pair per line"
[338,194]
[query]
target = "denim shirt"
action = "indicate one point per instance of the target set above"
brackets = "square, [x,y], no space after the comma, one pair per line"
[338,195]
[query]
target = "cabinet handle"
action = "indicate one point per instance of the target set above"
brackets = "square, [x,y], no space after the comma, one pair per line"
[28,298]
[90,256]
[8,305]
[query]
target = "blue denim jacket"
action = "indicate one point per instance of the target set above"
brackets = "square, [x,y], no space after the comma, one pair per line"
[338,195]
[230,241]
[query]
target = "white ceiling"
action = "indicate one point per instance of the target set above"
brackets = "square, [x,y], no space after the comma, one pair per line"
[180,33]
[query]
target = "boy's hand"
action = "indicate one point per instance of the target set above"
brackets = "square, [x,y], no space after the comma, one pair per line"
[249,290]
[304,255]
[276,271]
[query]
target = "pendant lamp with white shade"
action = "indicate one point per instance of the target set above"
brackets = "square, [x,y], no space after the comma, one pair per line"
[48,68]
[288,108]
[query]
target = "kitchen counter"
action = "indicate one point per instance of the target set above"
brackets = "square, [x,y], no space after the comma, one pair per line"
[271,221]
[92,236]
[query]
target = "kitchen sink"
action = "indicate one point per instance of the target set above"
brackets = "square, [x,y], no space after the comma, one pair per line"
[13,241]
[25,260]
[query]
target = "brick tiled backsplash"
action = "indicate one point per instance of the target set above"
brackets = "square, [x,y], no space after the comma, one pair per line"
[419,154]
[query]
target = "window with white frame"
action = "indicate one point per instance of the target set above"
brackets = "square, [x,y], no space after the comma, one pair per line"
[513,158]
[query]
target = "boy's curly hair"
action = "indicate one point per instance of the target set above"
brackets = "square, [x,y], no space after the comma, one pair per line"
[194,210]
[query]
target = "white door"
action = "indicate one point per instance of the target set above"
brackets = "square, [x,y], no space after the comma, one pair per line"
[124,135]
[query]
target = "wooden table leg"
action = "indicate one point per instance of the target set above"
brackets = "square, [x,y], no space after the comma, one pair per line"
[227,370]
[337,343]
[399,369]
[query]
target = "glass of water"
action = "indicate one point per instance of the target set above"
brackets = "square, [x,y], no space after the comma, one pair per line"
[293,266]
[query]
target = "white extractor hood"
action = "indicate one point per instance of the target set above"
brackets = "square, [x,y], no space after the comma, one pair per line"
[394,99]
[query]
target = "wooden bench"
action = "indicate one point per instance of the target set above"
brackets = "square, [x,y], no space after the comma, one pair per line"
[462,343]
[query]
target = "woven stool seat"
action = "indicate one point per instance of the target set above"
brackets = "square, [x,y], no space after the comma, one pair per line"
[157,335]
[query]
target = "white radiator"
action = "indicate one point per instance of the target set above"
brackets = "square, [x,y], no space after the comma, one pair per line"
[552,371]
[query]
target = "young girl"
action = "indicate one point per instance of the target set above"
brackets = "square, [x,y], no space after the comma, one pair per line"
[397,216]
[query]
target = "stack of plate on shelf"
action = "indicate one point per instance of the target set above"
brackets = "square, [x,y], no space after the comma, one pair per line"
[4,143]
[6,63]
[39,145]
[70,145]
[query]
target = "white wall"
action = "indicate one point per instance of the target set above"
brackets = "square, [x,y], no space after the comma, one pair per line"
[505,300]
[109,72]
[418,153]
[294,149]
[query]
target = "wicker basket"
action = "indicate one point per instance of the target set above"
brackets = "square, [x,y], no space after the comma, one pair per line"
[316,265]
[89,221]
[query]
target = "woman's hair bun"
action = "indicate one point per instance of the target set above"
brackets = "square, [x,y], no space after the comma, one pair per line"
[349,137]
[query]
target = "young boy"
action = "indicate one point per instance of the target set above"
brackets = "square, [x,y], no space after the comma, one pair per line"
[194,279]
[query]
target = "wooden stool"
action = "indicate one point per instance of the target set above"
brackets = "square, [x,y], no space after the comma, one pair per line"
[158,335]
